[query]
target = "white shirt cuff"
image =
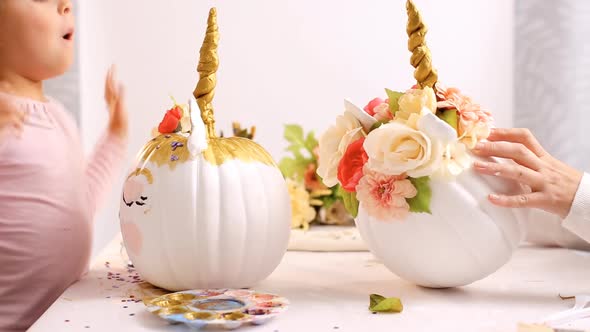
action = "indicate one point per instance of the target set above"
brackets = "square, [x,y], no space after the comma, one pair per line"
[578,220]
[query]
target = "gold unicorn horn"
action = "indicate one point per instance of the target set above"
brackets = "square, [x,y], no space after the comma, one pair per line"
[421,58]
[208,64]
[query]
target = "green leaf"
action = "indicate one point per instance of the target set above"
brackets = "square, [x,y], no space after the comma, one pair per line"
[328,201]
[288,167]
[421,203]
[394,97]
[375,299]
[294,135]
[350,202]
[450,116]
[377,125]
[311,143]
[379,303]
[293,168]
[337,190]
[296,151]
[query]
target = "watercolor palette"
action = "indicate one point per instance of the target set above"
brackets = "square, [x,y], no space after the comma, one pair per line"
[226,308]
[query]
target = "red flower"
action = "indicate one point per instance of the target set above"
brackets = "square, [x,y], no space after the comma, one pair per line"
[171,121]
[311,179]
[176,111]
[372,104]
[350,169]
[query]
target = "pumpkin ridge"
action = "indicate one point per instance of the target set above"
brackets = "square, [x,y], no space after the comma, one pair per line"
[166,253]
[267,219]
[244,241]
[485,209]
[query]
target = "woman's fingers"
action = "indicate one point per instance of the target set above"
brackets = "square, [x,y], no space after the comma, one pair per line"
[532,200]
[515,172]
[518,135]
[508,150]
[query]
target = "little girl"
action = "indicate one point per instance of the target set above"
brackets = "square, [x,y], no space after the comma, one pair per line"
[48,192]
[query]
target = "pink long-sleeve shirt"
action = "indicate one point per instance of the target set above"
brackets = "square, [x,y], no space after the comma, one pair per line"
[49,194]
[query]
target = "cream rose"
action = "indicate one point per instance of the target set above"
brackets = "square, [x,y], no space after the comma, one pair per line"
[333,144]
[414,103]
[395,149]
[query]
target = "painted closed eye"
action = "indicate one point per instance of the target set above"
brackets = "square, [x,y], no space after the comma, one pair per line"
[141,203]
[128,204]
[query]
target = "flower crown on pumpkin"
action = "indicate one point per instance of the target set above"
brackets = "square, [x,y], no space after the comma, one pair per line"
[385,155]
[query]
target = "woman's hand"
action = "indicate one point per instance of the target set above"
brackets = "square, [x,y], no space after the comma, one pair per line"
[553,184]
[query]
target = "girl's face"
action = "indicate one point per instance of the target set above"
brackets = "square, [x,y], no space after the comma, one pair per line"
[36,37]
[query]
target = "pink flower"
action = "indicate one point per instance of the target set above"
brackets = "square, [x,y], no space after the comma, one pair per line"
[382,112]
[370,108]
[474,125]
[311,179]
[384,196]
[474,122]
[451,98]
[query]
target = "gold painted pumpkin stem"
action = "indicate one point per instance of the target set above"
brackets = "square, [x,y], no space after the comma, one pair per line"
[208,64]
[421,58]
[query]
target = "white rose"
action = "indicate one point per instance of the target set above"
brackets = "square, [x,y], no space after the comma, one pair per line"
[394,149]
[334,143]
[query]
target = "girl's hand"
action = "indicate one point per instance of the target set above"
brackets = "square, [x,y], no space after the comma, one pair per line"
[553,184]
[114,95]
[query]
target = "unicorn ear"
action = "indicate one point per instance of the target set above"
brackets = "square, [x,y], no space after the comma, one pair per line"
[365,119]
[434,127]
[197,140]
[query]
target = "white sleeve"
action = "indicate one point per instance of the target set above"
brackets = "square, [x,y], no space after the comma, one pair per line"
[578,219]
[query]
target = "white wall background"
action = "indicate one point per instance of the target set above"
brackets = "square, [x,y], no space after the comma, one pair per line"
[282,61]
[552,72]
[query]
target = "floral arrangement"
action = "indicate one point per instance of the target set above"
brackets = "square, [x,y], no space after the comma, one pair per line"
[177,119]
[311,201]
[385,155]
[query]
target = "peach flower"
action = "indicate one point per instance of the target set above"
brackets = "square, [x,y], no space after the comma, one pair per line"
[384,196]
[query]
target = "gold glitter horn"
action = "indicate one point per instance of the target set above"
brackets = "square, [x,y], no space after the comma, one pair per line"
[207,68]
[421,58]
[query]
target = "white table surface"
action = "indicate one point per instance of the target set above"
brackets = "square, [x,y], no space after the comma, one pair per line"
[330,292]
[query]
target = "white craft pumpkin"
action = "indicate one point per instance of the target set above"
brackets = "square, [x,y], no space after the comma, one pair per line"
[200,211]
[465,238]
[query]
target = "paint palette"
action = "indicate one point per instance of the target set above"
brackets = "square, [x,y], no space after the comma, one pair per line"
[226,308]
